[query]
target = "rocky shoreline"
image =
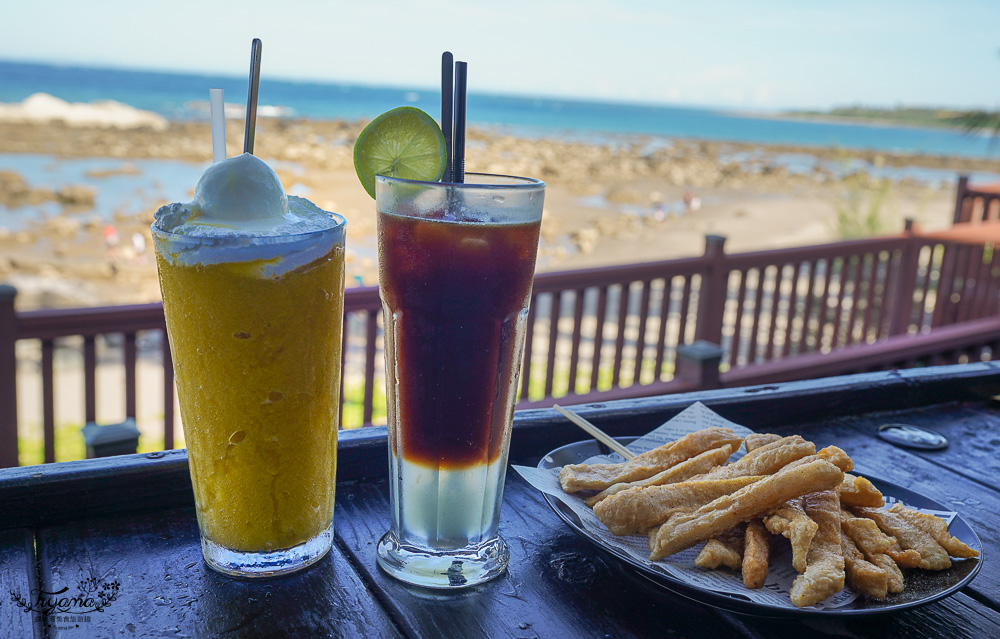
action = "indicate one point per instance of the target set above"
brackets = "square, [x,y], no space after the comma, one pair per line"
[327,144]
[621,201]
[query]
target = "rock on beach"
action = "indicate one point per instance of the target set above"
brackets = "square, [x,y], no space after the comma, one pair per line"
[15,192]
[42,108]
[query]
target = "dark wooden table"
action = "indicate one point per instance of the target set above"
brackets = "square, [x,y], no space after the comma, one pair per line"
[130,519]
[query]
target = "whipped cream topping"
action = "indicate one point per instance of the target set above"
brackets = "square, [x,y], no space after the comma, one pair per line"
[241,213]
[301,216]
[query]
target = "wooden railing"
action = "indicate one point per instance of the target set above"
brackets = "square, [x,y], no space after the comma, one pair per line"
[615,332]
[48,326]
[972,341]
[140,330]
[976,204]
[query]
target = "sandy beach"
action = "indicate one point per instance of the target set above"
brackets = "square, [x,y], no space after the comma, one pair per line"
[606,203]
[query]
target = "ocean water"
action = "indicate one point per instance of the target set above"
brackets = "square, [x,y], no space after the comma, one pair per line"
[123,186]
[141,187]
[184,96]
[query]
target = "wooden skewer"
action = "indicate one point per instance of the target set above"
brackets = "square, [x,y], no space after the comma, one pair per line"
[595,432]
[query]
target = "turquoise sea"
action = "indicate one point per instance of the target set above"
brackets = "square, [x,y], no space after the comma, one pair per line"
[184,96]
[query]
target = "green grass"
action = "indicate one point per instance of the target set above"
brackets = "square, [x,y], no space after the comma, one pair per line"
[560,380]
[69,445]
[354,408]
[862,211]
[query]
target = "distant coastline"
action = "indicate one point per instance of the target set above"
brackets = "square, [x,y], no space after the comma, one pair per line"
[181,97]
[907,117]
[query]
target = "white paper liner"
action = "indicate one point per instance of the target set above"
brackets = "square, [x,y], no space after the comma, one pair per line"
[775,591]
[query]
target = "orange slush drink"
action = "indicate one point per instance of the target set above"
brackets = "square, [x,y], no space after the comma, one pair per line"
[254,307]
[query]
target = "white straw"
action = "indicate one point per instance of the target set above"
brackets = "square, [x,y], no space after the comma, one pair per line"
[218,125]
[596,432]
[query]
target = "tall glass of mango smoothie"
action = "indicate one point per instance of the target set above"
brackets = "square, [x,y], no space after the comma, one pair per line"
[253,293]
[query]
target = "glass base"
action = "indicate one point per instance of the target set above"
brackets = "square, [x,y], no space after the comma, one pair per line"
[267,564]
[458,568]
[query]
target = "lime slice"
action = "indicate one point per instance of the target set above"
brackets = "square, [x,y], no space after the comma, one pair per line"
[405,143]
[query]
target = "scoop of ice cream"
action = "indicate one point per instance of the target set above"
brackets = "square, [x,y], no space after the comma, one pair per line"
[241,213]
[240,189]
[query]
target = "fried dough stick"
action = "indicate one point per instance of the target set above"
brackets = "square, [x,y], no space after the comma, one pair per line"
[756,554]
[686,529]
[637,510]
[685,470]
[875,546]
[824,575]
[880,549]
[832,454]
[863,576]
[936,528]
[858,491]
[932,555]
[766,460]
[724,550]
[790,519]
[574,477]
[754,441]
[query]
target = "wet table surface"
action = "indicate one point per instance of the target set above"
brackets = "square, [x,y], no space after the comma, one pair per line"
[124,528]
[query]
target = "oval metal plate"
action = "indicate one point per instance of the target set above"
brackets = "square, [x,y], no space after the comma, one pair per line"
[922,586]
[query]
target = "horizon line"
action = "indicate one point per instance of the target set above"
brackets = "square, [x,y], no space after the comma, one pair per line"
[731,108]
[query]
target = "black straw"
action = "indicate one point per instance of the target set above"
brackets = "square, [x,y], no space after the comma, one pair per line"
[447,106]
[458,163]
[251,124]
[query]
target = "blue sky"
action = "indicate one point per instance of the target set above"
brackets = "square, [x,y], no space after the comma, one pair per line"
[754,55]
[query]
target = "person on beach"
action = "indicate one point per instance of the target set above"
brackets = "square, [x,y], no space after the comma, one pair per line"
[659,209]
[659,212]
[139,246]
[691,202]
[110,242]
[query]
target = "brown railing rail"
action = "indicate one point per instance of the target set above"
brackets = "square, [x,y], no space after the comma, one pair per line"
[50,328]
[597,330]
[613,332]
[47,326]
[972,341]
[976,204]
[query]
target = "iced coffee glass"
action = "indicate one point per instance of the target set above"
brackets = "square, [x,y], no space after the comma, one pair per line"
[456,263]
[255,327]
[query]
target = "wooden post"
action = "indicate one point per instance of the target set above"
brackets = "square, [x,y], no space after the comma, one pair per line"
[168,393]
[963,187]
[698,364]
[900,296]
[8,378]
[712,294]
